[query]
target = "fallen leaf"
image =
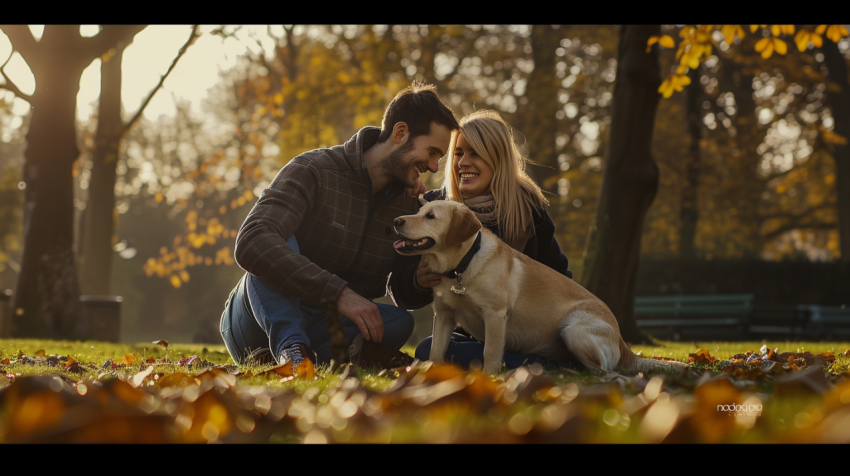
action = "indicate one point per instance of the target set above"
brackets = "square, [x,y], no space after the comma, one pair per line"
[811,379]
[6,361]
[127,360]
[177,379]
[74,367]
[140,377]
[306,370]
[161,342]
[40,353]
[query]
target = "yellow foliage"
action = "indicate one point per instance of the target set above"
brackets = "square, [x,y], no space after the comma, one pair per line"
[673,82]
[158,197]
[729,32]
[836,32]
[766,46]
[175,281]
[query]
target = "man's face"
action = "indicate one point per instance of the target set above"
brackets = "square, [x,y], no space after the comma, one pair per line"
[418,155]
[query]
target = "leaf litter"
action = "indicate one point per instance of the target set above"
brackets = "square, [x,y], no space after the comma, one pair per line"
[757,396]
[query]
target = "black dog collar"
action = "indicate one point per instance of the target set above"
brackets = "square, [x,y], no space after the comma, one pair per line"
[464,262]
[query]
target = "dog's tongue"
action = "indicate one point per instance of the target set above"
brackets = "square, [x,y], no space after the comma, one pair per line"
[398,244]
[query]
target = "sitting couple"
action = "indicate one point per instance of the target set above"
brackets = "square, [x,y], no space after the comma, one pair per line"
[322,233]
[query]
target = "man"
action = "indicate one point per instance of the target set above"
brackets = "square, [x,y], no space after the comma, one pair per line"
[322,234]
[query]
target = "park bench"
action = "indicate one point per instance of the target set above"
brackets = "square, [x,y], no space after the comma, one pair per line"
[827,322]
[680,317]
[785,322]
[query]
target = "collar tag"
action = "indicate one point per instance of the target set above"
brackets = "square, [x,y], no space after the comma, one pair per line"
[460,285]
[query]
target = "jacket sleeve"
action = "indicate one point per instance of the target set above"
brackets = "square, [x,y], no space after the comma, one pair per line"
[548,251]
[261,247]
[401,289]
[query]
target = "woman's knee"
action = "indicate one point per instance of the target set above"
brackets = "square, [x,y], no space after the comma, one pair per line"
[423,350]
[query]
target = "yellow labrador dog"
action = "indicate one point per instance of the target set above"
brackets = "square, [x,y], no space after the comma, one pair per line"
[508,300]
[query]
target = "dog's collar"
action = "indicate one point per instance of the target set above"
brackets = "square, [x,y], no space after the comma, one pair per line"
[467,258]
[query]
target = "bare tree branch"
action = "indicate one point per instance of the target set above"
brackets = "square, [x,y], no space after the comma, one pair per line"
[793,216]
[180,53]
[10,85]
[804,226]
[109,37]
[23,42]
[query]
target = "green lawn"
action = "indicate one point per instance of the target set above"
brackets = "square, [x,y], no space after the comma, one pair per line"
[156,399]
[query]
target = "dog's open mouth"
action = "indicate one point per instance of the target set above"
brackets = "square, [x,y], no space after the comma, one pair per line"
[406,245]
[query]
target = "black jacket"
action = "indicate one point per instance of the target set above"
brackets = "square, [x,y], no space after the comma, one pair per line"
[541,247]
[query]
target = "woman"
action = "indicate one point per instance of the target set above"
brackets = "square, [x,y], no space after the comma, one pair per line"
[486,171]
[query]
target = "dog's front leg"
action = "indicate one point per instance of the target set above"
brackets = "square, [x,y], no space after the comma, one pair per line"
[444,324]
[494,341]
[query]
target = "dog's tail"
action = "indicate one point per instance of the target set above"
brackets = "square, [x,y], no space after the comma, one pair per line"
[631,364]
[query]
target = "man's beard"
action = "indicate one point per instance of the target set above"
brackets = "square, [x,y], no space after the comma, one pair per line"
[396,165]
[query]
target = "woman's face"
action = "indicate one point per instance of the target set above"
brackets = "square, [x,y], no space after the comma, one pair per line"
[474,173]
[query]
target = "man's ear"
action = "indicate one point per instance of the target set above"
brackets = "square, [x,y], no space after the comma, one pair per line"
[400,133]
[464,224]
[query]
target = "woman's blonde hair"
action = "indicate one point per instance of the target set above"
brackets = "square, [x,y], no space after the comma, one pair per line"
[516,195]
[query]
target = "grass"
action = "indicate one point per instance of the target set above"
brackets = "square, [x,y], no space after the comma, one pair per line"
[427,405]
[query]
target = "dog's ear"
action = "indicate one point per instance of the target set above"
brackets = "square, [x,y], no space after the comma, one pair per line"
[464,224]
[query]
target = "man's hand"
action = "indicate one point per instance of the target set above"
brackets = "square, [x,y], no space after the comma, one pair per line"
[418,189]
[362,312]
[424,277]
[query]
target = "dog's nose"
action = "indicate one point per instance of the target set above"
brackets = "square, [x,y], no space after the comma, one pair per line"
[398,221]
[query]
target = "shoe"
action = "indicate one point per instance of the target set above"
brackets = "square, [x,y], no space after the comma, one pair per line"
[296,354]
[259,356]
[382,356]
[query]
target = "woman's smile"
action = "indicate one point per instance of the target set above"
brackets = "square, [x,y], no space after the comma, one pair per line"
[474,172]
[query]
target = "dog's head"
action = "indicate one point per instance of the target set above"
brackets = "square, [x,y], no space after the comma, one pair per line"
[439,225]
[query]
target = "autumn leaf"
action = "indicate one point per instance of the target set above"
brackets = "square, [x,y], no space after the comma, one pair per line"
[306,370]
[74,367]
[140,377]
[161,342]
[40,353]
[730,31]
[127,360]
[836,33]
[701,356]
[177,379]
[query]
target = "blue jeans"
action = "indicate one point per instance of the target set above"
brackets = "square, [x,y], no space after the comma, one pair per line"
[464,349]
[258,317]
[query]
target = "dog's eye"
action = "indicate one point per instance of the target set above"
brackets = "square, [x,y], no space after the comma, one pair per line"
[430,215]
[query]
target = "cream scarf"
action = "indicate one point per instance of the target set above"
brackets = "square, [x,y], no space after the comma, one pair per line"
[484,207]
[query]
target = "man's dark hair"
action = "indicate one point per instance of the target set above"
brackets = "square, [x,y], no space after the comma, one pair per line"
[417,106]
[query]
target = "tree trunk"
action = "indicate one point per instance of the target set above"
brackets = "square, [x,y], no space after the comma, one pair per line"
[99,220]
[689,212]
[47,295]
[630,180]
[540,124]
[746,201]
[839,102]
